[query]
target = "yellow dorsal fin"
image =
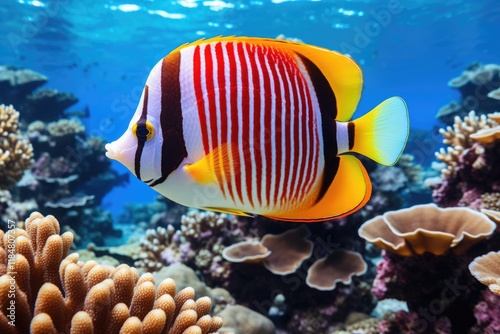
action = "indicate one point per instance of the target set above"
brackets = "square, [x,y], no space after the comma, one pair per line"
[343,74]
[214,165]
[350,190]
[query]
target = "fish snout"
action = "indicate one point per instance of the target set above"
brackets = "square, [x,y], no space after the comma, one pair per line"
[111,152]
[123,150]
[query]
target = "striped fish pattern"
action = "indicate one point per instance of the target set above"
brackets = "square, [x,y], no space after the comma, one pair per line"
[257,126]
[255,90]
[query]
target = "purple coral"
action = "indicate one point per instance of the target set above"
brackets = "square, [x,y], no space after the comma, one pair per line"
[487,312]
[475,174]
[433,286]
[411,323]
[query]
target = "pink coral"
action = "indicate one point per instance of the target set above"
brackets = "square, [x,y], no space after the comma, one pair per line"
[487,312]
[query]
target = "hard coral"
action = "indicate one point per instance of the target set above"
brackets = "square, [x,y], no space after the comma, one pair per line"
[486,269]
[246,251]
[427,229]
[53,294]
[51,101]
[198,243]
[487,313]
[339,266]
[288,250]
[459,139]
[432,286]
[477,86]
[16,152]
[65,127]
[16,83]
[470,170]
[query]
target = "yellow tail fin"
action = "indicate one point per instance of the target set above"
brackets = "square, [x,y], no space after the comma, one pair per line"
[381,134]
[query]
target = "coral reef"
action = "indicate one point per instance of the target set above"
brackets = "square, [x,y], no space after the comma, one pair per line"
[16,152]
[56,293]
[427,229]
[433,287]
[17,83]
[246,251]
[339,266]
[470,165]
[63,169]
[288,250]
[486,270]
[51,101]
[427,251]
[487,313]
[413,323]
[478,86]
[198,242]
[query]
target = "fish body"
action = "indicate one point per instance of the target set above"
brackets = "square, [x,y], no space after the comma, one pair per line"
[259,126]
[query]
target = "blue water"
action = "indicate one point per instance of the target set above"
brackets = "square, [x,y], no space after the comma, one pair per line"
[102,51]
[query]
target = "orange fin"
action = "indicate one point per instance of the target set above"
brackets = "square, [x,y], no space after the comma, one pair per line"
[343,74]
[212,166]
[228,211]
[350,190]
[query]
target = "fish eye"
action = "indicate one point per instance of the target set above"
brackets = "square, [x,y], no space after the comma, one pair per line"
[143,130]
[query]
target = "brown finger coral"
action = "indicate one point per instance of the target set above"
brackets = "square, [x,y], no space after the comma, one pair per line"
[427,228]
[16,152]
[54,293]
[486,269]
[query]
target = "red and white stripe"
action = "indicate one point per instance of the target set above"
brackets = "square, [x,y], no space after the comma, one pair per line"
[261,101]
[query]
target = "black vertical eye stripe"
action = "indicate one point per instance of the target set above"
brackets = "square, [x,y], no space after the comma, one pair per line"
[141,141]
[173,149]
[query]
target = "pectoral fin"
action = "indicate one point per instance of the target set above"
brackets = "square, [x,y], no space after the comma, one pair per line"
[213,166]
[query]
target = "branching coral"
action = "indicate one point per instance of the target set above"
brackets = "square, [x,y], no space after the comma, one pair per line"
[470,164]
[199,243]
[57,294]
[16,152]
[458,139]
[65,127]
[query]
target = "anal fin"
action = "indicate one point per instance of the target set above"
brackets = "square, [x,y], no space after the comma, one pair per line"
[228,211]
[349,191]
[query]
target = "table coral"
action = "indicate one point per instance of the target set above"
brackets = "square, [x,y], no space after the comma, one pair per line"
[339,266]
[16,152]
[55,292]
[486,269]
[477,86]
[427,229]
[16,83]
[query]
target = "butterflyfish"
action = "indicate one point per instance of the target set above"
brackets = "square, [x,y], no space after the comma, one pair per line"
[259,126]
